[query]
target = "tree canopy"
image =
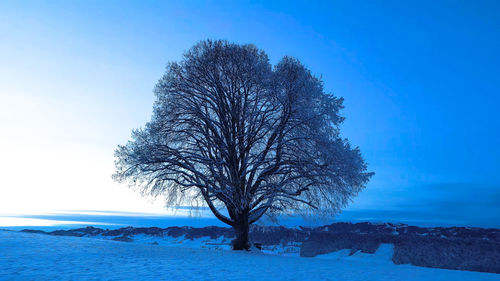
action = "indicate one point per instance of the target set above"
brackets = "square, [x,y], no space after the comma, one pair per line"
[246,138]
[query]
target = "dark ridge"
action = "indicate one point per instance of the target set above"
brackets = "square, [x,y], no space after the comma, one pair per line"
[462,248]
[34,231]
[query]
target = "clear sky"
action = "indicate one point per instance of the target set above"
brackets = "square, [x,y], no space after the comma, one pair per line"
[420,81]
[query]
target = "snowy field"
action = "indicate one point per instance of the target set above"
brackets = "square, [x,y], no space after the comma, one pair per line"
[27,256]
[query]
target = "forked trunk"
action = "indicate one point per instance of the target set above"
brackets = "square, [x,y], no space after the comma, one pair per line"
[241,229]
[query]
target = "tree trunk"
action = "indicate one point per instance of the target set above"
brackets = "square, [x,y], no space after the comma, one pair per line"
[241,228]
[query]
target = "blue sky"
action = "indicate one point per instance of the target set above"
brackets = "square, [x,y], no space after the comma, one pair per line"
[419,78]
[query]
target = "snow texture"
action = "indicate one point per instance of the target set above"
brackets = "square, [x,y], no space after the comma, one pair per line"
[31,256]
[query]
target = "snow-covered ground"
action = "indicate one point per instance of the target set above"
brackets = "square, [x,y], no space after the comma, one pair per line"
[29,256]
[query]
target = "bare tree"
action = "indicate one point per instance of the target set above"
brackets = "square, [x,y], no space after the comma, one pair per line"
[231,131]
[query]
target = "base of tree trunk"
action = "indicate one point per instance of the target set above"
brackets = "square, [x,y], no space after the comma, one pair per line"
[240,245]
[241,231]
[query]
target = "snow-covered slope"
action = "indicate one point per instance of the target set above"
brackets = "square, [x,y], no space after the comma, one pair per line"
[31,256]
